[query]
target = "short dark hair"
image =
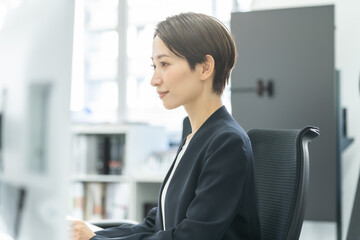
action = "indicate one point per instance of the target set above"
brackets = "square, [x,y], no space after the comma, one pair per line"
[195,35]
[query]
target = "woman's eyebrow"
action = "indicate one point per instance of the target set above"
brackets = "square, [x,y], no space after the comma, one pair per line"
[160,56]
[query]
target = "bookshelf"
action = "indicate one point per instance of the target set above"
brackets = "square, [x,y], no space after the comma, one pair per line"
[145,194]
[109,176]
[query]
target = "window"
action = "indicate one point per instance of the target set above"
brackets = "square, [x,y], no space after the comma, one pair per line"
[105,93]
[96,53]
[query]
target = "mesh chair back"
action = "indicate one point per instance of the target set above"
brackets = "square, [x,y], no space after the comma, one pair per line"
[282,169]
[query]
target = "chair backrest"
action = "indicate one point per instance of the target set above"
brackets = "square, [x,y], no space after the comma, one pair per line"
[282,171]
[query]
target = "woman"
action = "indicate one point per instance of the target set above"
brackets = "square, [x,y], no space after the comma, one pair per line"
[209,191]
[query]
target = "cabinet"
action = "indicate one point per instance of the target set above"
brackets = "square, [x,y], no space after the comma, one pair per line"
[292,50]
[111,175]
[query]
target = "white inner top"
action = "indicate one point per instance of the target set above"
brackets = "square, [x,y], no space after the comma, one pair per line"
[163,194]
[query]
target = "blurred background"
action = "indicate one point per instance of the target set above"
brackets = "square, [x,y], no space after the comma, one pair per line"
[114,110]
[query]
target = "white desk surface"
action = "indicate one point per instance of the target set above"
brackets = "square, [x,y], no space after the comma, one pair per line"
[4,236]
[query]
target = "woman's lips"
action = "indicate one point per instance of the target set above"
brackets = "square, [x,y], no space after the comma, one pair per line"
[162,94]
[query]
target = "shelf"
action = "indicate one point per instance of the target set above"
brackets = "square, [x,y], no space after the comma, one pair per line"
[99,129]
[127,192]
[149,178]
[117,178]
[100,178]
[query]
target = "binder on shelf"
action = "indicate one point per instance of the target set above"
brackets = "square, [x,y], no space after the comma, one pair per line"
[78,155]
[91,154]
[94,201]
[101,146]
[116,156]
[110,154]
[76,206]
[117,200]
[98,154]
[85,154]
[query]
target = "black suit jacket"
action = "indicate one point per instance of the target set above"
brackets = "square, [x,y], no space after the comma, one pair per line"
[212,195]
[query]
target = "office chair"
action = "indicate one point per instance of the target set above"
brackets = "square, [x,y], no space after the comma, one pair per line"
[282,171]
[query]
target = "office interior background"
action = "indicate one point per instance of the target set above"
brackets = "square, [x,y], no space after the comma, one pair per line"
[111,88]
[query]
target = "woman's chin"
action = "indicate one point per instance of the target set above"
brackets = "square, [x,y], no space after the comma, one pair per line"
[170,106]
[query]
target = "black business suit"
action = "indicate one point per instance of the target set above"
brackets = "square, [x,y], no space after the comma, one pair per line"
[212,194]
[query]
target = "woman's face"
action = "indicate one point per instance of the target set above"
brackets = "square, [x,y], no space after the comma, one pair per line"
[176,83]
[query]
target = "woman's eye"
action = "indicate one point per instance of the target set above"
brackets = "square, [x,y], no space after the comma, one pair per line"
[162,64]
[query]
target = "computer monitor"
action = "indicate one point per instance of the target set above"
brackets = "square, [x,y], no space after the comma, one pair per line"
[35,75]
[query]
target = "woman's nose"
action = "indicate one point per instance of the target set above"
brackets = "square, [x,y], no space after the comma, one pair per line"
[155,80]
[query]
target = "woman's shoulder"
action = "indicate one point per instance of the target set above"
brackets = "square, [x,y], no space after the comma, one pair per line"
[228,131]
[222,124]
[220,132]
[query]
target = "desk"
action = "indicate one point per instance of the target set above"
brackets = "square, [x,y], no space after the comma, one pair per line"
[4,236]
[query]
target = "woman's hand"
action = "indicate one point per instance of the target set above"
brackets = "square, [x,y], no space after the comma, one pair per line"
[80,231]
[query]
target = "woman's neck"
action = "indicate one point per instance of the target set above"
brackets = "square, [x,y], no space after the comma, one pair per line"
[199,113]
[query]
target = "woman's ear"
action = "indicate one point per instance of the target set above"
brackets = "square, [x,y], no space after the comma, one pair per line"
[208,67]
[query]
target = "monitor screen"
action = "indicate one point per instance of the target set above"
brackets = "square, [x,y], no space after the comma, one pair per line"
[36,42]
[12,200]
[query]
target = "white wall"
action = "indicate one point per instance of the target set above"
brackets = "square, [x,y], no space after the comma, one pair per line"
[347,43]
[270,4]
[348,61]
